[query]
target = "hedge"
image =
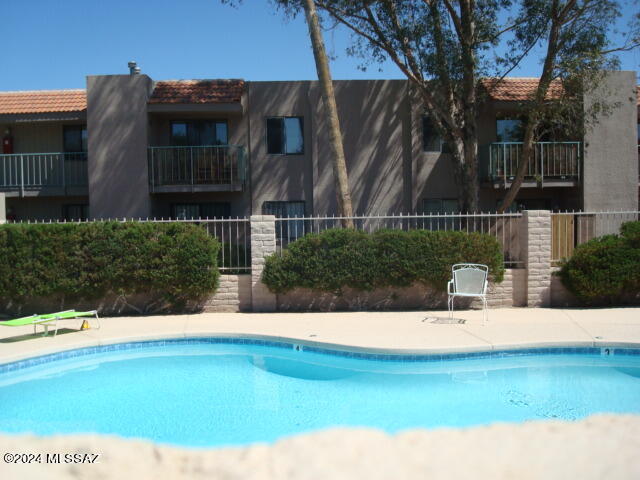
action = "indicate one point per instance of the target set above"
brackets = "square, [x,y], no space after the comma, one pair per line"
[606,270]
[345,258]
[174,262]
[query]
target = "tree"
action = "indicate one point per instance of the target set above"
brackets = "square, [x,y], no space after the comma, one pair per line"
[343,194]
[578,51]
[447,48]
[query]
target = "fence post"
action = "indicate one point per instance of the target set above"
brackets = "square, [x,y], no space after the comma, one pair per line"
[535,235]
[263,244]
[3,209]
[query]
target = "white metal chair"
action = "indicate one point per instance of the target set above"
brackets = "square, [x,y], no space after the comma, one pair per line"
[469,280]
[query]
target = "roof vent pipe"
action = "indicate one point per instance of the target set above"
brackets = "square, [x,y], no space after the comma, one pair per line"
[134,69]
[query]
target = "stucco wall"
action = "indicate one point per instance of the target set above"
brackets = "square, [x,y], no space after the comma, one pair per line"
[279,177]
[117,125]
[610,175]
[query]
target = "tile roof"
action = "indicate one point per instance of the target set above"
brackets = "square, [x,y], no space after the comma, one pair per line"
[197,91]
[518,88]
[43,101]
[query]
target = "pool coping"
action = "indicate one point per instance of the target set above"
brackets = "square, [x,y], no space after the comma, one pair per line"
[323,348]
[373,333]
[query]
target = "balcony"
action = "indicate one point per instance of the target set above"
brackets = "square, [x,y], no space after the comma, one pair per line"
[555,164]
[44,174]
[217,168]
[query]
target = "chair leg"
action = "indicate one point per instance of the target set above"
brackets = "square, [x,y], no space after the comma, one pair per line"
[450,306]
[485,313]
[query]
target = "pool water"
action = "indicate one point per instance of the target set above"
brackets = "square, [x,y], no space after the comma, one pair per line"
[212,394]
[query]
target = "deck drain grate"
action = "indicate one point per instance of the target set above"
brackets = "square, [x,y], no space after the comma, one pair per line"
[444,320]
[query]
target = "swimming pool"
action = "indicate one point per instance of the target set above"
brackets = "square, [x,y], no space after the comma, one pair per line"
[222,391]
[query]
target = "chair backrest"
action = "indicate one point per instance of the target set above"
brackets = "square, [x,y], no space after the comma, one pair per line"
[470,278]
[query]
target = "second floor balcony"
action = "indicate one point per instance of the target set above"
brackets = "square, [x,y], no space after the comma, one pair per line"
[213,168]
[554,164]
[44,174]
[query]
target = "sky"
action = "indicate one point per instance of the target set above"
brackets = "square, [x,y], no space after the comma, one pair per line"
[54,44]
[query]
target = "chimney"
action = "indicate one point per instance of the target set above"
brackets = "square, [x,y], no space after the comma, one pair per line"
[134,69]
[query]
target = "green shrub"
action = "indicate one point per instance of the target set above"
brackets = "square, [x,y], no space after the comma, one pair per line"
[339,258]
[175,262]
[606,270]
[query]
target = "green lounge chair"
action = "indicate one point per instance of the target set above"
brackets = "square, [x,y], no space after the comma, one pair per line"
[49,318]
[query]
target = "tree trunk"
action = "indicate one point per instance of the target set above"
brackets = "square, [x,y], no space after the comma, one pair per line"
[525,160]
[464,154]
[345,209]
[533,117]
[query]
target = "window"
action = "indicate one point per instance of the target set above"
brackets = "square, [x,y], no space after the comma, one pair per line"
[285,136]
[75,138]
[76,212]
[290,229]
[509,130]
[186,211]
[439,205]
[199,133]
[431,139]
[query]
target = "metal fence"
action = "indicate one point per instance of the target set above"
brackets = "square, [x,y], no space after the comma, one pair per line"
[198,165]
[551,161]
[234,235]
[570,229]
[29,171]
[504,227]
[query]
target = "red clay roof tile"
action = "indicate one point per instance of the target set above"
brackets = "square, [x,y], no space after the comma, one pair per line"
[518,89]
[198,91]
[43,101]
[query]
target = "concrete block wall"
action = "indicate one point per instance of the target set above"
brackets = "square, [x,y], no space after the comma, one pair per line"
[509,293]
[535,237]
[263,244]
[233,295]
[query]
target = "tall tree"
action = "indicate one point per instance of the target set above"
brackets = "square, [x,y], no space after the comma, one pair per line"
[338,162]
[446,47]
[578,51]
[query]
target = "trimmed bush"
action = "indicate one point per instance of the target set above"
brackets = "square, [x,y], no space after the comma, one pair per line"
[173,262]
[344,258]
[606,270]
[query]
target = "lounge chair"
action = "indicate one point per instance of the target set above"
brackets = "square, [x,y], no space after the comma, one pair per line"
[469,280]
[49,318]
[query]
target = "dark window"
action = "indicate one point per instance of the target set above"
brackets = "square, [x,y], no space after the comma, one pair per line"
[199,133]
[75,212]
[75,138]
[185,211]
[431,139]
[291,229]
[285,136]
[439,205]
[509,130]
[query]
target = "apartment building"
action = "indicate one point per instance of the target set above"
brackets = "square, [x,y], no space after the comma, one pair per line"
[129,146]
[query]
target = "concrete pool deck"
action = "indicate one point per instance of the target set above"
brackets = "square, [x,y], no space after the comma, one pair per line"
[382,332]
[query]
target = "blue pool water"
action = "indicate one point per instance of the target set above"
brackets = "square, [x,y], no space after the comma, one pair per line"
[219,394]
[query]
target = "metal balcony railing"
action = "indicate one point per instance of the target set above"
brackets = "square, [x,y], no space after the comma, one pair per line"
[552,161]
[193,166]
[39,171]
